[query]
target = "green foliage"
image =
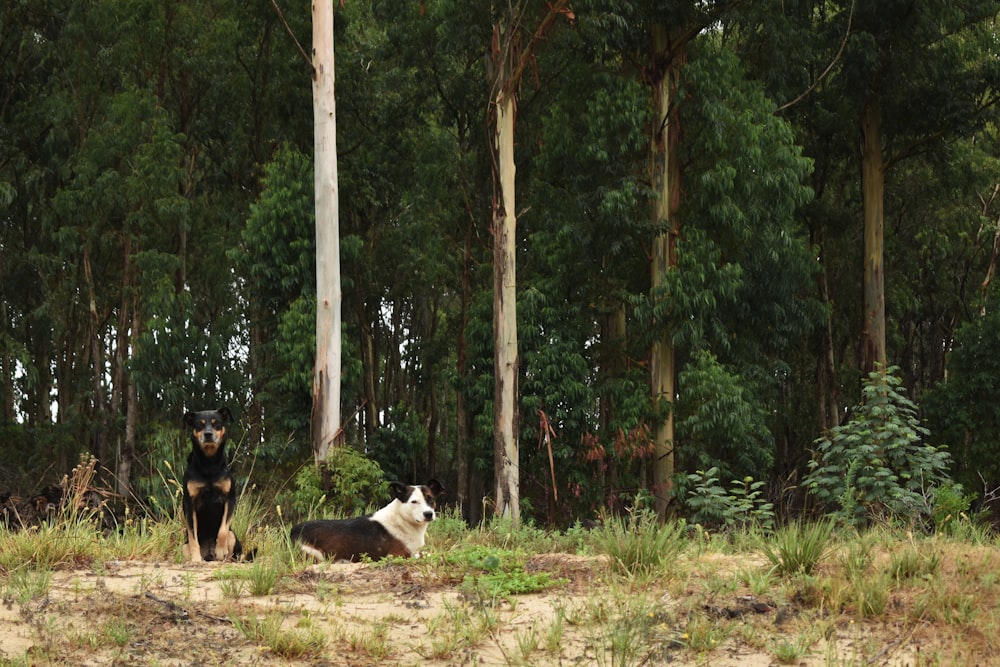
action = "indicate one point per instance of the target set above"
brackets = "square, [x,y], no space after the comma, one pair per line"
[721,421]
[877,466]
[956,410]
[743,506]
[950,509]
[347,484]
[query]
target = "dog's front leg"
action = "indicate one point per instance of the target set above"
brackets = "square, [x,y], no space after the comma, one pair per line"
[222,542]
[192,549]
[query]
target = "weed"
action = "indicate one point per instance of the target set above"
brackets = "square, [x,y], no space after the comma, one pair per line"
[911,563]
[372,641]
[27,583]
[287,643]
[117,631]
[556,629]
[790,651]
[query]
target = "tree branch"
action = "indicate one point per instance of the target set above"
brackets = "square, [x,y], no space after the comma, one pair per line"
[288,29]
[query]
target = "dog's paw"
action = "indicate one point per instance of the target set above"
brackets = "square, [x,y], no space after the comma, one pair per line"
[191,555]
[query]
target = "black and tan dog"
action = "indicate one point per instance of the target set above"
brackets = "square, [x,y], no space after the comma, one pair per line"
[209,489]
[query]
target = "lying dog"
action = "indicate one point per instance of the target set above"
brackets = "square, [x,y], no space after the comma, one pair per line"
[209,489]
[395,530]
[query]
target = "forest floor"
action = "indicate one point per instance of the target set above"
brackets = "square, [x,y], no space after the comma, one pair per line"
[142,612]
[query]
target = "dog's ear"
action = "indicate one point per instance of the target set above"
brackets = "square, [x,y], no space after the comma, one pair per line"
[436,487]
[189,419]
[399,491]
[226,414]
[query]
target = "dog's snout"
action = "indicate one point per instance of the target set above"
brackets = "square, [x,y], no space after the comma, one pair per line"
[208,435]
[429,515]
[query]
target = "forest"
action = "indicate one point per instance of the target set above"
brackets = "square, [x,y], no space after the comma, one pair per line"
[756,243]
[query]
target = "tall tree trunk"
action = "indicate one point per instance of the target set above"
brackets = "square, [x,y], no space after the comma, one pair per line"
[99,418]
[6,368]
[124,471]
[873,354]
[462,427]
[828,394]
[665,178]
[120,386]
[505,419]
[326,374]
[369,366]
[507,62]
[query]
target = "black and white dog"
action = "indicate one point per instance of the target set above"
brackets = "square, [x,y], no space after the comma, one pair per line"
[398,529]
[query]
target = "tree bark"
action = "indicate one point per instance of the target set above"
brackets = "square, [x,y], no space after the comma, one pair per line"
[505,419]
[326,374]
[873,354]
[665,178]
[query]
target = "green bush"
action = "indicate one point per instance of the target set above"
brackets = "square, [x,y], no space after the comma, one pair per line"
[877,465]
[346,484]
[744,505]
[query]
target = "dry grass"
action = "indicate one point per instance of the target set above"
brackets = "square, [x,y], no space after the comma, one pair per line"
[72,596]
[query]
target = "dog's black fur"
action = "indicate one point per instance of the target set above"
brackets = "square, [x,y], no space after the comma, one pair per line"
[209,489]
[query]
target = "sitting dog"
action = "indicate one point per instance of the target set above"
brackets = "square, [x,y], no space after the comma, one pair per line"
[395,530]
[209,489]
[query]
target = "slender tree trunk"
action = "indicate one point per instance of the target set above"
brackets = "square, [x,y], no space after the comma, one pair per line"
[99,418]
[507,62]
[326,375]
[461,416]
[665,178]
[124,471]
[873,354]
[827,392]
[369,368]
[121,386]
[6,369]
[505,420]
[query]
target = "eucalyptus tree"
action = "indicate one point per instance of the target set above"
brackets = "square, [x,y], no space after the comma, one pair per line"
[512,49]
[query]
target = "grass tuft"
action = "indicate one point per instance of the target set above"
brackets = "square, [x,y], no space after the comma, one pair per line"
[798,547]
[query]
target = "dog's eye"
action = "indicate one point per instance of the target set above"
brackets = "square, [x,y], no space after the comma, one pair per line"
[215,423]
[201,425]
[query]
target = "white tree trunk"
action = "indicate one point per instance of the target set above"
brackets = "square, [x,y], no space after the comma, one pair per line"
[505,419]
[326,375]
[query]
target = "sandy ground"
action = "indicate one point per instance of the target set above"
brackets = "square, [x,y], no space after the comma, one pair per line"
[146,613]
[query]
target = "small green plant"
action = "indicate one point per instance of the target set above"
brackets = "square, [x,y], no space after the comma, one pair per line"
[117,631]
[744,505]
[912,563]
[704,634]
[373,640]
[28,583]
[790,651]
[556,629]
[285,642]
[950,511]
[798,547]
[261,577]
[639,545]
